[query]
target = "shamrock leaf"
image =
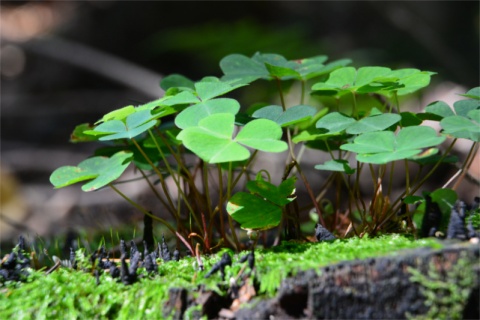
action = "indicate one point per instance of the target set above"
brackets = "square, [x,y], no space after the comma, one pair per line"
[461,122]
[373,80]
[463,127]
[274,66]
[193,114]
[101,170]
[336,165]
[261,209]
[473,93]
[212,139]
[135,124]
[209,89]
[337,122]
[383,147]
[349,79]
[291,116]
[176,81]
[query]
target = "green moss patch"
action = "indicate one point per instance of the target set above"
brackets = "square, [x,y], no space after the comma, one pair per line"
[73,294]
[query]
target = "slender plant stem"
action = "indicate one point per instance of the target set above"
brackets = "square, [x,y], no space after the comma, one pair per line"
[355,111]
[302,94]
[395,206]
[374,178]
[162,181]
[143,210]
[181,163]
[433,169]
[158,196]
[395,97]
[220,207]
[328,182]
[245,168]
[407,177]
[417,175]
[220,203]
[207,189]
[280,91]
[293,158]
[390,178]
[467,164]
[357,191]
[159,174]
[229,194]
[310,193]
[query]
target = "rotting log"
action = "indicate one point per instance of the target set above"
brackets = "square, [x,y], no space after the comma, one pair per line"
[392,287]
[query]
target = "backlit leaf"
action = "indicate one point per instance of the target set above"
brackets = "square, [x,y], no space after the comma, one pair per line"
[291,116]
[383,147]
[100,170]
[193,114]
[212,139]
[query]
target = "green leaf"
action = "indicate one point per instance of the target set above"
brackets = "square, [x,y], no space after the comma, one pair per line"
[281,72]
[473,93]
[291,116]
[332,143]
[440,108]
[183,97]
[176,81]
[208,90]
[278,195]
[193,114]
[463,107]
[157,105]
[238,66]
[138,158]
[135,124]
[212,139]
[349,79]
[371,143]
[336,165]
[463,123]
[383,147]
[474,115]
[427,154]
[261,209]
[79,135]
[119,114]
[462,127]
[374,123]
[409,119]
[412,199]
[273,66]
[101,170]
[445,198]
[434,158]
[373,79]
[414,82]
[312,67]
[263,135]
[312,135]
[335,122]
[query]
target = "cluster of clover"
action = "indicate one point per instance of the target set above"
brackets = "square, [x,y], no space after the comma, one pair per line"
[353,115]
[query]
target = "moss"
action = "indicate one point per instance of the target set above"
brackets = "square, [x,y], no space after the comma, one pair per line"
[445,296]
[277,263]
[72,294]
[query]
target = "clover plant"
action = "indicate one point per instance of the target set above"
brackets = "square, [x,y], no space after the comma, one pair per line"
[225,137]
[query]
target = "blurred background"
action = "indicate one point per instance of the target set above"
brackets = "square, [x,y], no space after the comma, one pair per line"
[68,62]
